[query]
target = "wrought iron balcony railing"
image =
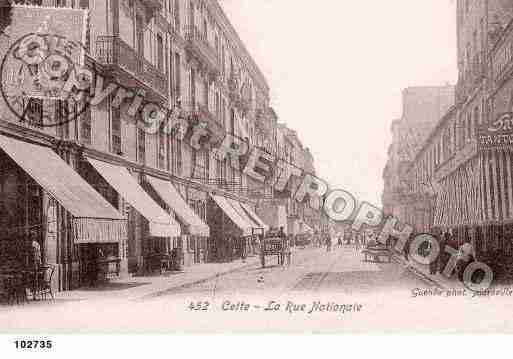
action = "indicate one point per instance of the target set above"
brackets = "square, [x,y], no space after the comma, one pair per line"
[236,188]
[198,44]
[111,50]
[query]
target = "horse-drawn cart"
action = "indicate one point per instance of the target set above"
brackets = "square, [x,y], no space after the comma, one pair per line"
[274,245]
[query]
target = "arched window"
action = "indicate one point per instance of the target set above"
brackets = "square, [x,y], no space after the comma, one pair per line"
[232,122]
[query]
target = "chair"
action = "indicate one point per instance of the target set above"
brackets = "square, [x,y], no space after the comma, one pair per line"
[45,282]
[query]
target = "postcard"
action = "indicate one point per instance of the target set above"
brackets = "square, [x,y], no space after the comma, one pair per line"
[237,166]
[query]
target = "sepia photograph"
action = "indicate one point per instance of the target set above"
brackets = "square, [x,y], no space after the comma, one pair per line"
[255,166]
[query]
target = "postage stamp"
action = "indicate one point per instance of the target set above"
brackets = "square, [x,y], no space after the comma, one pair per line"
[222,166]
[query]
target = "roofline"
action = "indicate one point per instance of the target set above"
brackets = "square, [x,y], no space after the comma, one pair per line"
[451,111]
[228,27]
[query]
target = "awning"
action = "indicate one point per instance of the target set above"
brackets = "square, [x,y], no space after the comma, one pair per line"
[305,228]
[161,223]
[94,219]
[170,195]
[238,208]
[460,201]
[234,216]
[252,214]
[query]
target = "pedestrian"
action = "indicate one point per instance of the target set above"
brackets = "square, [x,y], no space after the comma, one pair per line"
[288,251]
[406,249]
[36,253]
[281,232]
[341,236]
[328,243]
[357,241]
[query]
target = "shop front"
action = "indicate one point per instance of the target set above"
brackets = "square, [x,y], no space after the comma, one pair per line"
[475,204]
[152,229]
[48,213]
[194,230]
[229,230]
[248,245]
[263,228]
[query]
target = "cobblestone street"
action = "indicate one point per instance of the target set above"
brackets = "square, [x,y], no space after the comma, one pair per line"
[312,270]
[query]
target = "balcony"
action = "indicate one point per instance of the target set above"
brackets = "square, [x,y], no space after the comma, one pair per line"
[198,46]
[470,79]
[196,113]
[113,51]
[263,123]
[153,5]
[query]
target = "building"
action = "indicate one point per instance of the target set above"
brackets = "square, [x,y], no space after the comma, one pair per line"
[423,106]
[466,159]
[111,188]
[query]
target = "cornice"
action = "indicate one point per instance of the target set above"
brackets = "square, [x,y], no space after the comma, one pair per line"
[231,33]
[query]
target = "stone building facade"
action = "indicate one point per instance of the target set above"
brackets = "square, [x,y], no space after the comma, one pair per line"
[463,168]
[184,55]
[422,108]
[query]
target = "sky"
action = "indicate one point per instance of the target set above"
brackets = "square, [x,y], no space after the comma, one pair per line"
[336,69]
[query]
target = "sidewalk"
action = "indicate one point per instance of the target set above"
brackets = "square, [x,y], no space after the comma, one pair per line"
[140,287]
[422,271]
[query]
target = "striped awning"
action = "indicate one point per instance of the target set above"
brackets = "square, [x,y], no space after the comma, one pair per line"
[479,192]
[252,214]
[94,219]
[238,208]
[242,224]
[161,223]
[457,203]
[193,223]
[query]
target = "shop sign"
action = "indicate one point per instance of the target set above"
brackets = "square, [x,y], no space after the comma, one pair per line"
[496,134]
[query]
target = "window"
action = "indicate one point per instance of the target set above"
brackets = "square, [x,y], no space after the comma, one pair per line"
[221,170]
[34,111]
[469,126]
[462,133]
[477,118]
[116,131]
[218,106]
[193,89]
[139,28]
[161,149]
[160,53]
[446,141]
[61,117]
[454,136]
[232,122]
[207,164]
[85,126]
[469,58]
[440,151]
[205,30]
[223,61]
[177,14]
[176,154]
[205,93]
[177,75]
[141,145]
